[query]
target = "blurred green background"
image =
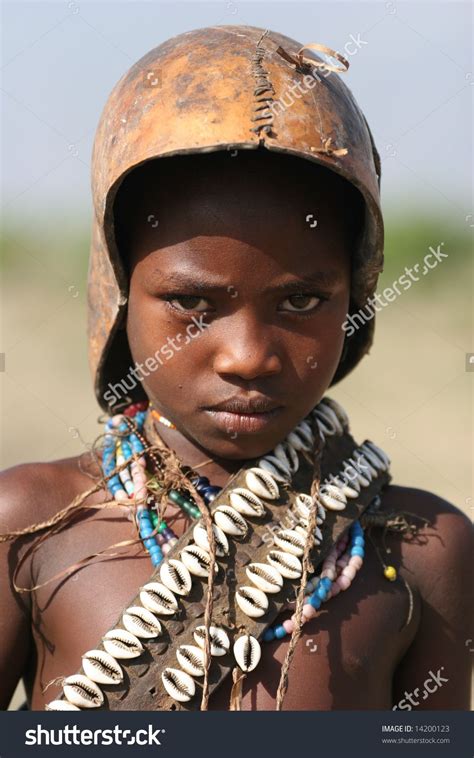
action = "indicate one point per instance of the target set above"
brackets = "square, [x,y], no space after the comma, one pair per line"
[411,394]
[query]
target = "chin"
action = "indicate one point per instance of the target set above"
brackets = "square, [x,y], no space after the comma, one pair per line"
[243,446]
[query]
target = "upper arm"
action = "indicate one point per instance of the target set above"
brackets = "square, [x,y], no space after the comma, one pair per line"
[435,673]
[14,608]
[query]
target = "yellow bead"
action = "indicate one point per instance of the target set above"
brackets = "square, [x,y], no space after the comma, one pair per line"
[390,573]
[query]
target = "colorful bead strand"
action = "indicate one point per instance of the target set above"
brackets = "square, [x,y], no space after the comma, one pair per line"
[122,445]
[339,570]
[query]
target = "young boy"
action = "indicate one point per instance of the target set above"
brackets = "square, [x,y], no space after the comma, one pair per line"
[238,231]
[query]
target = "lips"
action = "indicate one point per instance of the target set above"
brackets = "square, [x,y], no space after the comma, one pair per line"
[241,406]
[238,416]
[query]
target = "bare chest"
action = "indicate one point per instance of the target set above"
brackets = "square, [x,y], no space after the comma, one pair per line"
[344,659]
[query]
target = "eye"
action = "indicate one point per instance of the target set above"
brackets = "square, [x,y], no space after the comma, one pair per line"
[302,303]
[188,303]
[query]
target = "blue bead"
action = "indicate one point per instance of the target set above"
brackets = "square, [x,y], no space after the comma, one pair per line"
[156,559]
[126,449]
[358,551]
[214,490]
[156,549]
[315,601]
[359,541]
[280,632]
[149,543]
[207,491]
[268,635]
[326,582]
[322,593]
[137,446]
[146,531]
[203,481]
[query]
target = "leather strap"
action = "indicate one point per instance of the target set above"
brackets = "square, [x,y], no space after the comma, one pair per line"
[142,688]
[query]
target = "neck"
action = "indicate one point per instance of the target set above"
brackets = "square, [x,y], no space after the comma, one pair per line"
[218,470]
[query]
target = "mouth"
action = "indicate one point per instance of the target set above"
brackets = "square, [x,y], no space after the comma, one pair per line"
[239,416]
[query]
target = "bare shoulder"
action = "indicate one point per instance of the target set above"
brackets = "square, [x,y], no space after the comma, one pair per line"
[434,672]
[34,492]
[438,558]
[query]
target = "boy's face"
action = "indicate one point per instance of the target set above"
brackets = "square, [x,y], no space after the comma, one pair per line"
[239,285]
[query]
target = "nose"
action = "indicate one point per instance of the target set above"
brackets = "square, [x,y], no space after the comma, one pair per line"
[247,350]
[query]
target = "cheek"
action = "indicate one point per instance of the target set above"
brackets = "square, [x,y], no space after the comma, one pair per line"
[319,344]
[148,325]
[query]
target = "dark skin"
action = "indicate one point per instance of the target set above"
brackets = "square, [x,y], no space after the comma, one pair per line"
[367,656]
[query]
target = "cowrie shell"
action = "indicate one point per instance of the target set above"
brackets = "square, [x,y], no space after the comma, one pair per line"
[384,458]
[332,497]
[350,477]
[252,601]
[82,691]
[264,577]
[101,667]
[287,564]
[262,483]
[141,622]
[178,684]
[287,455]
[303,530]
[197,561]
[328,419]
[61,705]
[191,659]
[302,506]
[122,644]
[246,502]
[220,539]
[301,438]
[276,468]
[325,428]
[364,465]
[247,652]
[359,476]
[230,521]
[290,541]
[157,598]
[175,575]
[348,490]
[219,639]
[328,402]
[373,459]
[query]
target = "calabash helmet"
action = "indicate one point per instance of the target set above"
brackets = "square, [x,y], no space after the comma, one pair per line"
[225,88]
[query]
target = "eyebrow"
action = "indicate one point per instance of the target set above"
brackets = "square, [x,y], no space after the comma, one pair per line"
[326,278]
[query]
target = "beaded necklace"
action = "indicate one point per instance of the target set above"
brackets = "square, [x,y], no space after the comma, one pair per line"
[122,442]
[338,569]
[124,449]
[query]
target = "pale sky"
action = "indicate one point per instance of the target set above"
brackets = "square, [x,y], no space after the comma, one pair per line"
[412,77]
